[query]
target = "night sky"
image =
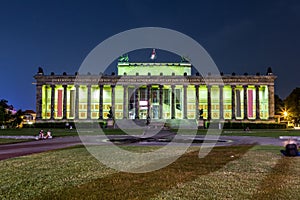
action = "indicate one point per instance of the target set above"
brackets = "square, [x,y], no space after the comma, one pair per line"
[240,36]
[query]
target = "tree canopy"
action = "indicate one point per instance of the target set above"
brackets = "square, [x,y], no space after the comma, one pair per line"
[6,115]
[292,104]
[279,105]
[4,111]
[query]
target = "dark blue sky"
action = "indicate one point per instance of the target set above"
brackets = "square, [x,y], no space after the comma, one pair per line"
[240,36]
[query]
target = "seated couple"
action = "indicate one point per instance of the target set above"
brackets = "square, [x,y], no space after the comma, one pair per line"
[43,136]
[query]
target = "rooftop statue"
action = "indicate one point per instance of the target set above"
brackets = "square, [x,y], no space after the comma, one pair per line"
[40,71]
[269,71]
[185,59]
[124,58]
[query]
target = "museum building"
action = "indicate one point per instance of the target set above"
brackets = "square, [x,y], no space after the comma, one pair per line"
[155,91]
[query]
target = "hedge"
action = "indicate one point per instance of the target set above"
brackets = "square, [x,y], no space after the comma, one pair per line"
[73,124]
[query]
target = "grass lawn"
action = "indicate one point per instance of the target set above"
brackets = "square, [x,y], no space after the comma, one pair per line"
[234,132]
[66,132]
[255,132]
[11,141]
[35,132]
[236,172]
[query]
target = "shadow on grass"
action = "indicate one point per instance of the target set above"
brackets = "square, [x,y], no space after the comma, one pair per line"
[146,185]
[274,185]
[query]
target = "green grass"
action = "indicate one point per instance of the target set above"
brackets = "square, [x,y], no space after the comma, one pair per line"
[263,133]
[236,172]
[11,141]
[256,132]
[66,132]
[35,131]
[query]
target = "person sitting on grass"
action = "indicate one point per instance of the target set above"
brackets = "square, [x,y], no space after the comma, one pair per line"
[247,129]
[41,134]
[48,136]
[291,149]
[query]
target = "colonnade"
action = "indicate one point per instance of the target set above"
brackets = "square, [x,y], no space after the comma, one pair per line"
[224,102]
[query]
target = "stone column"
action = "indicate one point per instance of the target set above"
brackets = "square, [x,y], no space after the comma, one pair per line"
[257,101]
[65,102]
[232,101]
[221,87]
[184,101]
[52,101]
[77,102]
[113,100]
[89,102]
[271,101]
[39,101]
[161,101]
[148,100]
[101,102]
[173,102]
[125,102]
[136,94]
[245,102]
[197,101]
[208,102]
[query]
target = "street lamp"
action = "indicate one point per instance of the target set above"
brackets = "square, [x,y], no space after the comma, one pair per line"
[285,114]
[287,117]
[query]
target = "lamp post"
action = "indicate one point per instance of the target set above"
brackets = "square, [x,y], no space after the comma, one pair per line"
[287,117]
[285,114]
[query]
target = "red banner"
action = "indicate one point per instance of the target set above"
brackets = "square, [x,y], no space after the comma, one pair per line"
[250,103]
[59,103]
[238,103]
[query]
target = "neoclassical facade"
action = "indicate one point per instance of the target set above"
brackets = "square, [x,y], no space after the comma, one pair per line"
[156,91]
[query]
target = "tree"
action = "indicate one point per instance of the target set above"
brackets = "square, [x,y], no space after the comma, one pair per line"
[279,105]
[292,104]
[17,118]
[5,113]
[7,117]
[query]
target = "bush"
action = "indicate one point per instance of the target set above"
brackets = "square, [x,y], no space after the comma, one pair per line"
[44,125]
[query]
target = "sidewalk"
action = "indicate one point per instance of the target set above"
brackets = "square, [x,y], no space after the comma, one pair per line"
[26,148]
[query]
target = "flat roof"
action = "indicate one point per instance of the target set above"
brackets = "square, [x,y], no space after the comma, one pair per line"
[152,64]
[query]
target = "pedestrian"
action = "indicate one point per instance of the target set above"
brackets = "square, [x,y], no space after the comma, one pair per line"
[67,125]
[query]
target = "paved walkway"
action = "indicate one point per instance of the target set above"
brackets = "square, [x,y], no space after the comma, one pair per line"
[18,137]
[26,148]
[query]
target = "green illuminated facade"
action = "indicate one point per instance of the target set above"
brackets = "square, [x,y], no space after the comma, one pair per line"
[155,90]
